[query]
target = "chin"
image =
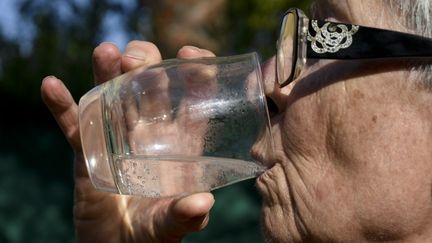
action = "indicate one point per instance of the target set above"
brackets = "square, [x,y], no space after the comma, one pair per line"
[278,232]
[278,221]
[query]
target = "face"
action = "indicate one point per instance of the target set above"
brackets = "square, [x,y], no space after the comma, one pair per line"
[353,159]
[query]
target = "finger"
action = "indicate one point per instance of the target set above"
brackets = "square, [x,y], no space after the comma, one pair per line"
[150,87]
[143,54]
[149,99]
[106,62]
[196,82]
[189,52]
[185,215]
[154,100]
[199,78]
[146,100]
[193,210]
[64,109]
[138,54]
[196,106]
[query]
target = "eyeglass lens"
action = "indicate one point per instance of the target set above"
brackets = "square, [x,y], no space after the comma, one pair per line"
[286,56]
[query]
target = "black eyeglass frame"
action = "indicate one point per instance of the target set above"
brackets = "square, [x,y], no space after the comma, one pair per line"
[330,40]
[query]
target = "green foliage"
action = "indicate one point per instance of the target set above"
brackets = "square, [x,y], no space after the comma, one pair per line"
[35,183]
[62,46]
[35,160]
[254,24]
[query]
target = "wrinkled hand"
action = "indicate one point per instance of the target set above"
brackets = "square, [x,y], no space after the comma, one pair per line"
[106,217]
[163,111]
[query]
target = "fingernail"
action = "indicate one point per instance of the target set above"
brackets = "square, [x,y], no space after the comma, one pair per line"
[49,77]
[107,42]
[193,48]
[204,222]
[135,54]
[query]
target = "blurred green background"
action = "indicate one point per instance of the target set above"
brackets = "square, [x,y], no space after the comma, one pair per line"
[57,37]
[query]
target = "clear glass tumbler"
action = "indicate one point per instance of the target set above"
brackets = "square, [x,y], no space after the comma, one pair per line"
[178,127]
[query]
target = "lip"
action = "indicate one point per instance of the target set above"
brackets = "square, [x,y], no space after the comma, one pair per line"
[261,183]
[263,174]
[268,159]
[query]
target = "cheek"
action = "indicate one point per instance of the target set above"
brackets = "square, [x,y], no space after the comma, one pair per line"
[356,162]
[382,148]
[364,165]
[319,192]
[303,127]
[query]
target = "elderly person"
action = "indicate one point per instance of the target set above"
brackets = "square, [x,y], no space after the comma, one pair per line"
[353,161]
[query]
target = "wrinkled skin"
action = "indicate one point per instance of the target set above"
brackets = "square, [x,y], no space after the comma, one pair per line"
[106,217]
[352,160]
[353,138]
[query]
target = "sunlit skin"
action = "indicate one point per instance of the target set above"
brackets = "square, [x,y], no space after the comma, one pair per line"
[106,217]
[158,125]
[352,159]
[353,139]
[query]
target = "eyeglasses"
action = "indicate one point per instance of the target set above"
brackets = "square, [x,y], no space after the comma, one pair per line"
[301,38]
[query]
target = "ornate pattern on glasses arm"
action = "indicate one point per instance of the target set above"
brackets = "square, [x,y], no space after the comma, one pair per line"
[331,37]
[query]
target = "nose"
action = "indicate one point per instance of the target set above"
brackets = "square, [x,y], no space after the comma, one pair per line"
[276,96]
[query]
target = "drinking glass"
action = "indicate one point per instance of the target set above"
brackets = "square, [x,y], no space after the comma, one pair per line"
[178,127]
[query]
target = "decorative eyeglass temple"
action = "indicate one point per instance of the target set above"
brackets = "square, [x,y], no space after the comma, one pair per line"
[331,40]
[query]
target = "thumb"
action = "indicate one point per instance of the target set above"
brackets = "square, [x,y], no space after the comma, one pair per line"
[185,215]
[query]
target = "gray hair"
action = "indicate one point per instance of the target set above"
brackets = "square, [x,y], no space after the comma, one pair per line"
[418,16]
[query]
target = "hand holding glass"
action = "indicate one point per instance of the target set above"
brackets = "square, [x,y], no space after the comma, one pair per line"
[178,127]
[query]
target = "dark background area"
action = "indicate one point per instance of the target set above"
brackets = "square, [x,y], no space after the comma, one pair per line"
[57,37]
